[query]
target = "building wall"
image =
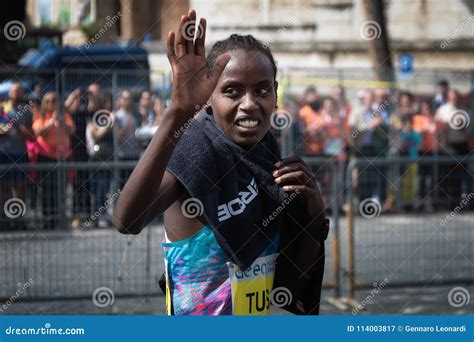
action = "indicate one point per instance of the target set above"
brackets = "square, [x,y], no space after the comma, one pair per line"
[317,33]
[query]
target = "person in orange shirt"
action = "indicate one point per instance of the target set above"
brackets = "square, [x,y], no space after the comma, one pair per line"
[48,127]
[343,107]
[425,124]
[313,123]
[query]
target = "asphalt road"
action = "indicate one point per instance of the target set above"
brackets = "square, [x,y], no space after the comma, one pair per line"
[389,249]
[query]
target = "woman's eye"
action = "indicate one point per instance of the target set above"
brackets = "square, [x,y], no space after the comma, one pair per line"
[230,91]
[262,91]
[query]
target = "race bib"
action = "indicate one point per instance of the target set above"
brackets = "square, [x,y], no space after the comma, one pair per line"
[251,289]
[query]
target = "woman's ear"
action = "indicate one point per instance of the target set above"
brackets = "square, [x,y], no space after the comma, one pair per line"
[208,107]
[275,85]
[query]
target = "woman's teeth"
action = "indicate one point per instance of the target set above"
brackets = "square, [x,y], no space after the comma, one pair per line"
[247,123]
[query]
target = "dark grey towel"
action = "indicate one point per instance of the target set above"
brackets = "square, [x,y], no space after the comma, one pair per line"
[234,184]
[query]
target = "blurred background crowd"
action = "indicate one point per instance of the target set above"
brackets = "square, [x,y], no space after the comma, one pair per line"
[84,84]
[94,129]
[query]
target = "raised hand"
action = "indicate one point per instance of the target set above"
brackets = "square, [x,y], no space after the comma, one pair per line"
[192,83]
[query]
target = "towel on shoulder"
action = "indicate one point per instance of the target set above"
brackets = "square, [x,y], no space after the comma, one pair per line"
[238,194]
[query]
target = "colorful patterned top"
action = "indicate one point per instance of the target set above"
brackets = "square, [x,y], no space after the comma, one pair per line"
[200,279]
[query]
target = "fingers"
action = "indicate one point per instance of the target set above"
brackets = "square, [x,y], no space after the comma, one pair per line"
[181,43]
[292,167]
[296,188]
[189,30]
[296,177]
[185,40]
[201,40]
[170,48]
[291,164]
[289,160]
[292,171]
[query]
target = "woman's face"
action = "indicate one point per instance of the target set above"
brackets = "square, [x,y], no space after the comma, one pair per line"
[425,108]
[328,106]
[50,103]
[245,97]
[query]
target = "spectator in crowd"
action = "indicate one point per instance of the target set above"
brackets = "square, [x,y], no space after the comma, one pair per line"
[291,138]
[343,108]
[338,94]
[53,134]
[454,136]
[150,113]
[334,140]
[453,141]
[369,135]
[310,98]
[410,145]
[424,123]
[33,148]
[16,131]
[404,108]
[441,95]
[81,198]
[128,147]
[369,127]
[333,135]
[100,142]
[158,109]
[108,102]
[313,123]
[411,139]
[95,100]
[145,108]
[36,93]
[296,128]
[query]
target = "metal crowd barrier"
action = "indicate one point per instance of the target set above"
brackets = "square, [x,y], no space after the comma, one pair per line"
[421,247]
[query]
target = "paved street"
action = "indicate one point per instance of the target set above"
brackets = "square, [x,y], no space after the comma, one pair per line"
[394,249]
[400,301]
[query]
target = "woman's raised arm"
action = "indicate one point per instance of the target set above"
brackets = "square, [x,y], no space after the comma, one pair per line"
[150,189]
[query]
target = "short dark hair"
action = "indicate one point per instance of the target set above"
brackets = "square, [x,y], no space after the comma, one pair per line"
[443,83]
[237,42]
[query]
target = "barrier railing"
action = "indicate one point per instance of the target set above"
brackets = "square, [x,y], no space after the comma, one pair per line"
[410,248]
